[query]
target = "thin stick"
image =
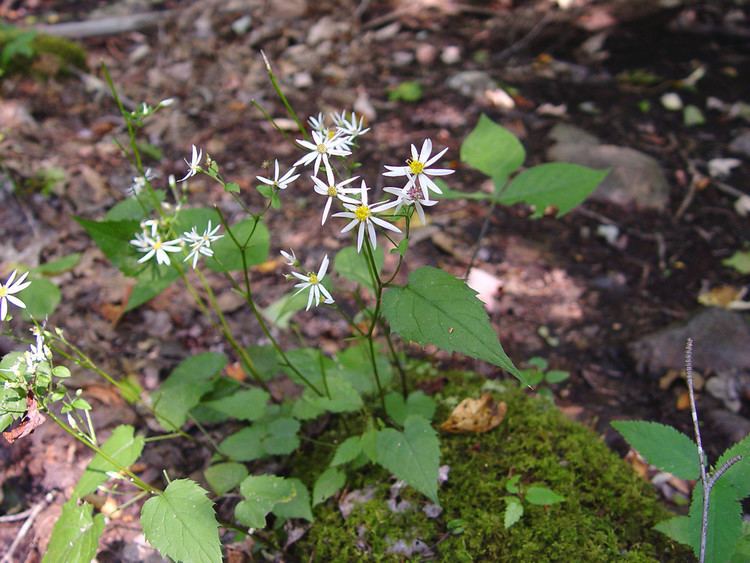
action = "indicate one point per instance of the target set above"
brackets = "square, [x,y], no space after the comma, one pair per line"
[32,514]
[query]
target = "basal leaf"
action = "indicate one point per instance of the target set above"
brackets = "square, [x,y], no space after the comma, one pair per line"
[542,496]
[248,404]
[513,511]
[254,238]
[355,366]
[278,437]
[298,506]
[133,208]
[559,185]
[113,239]
[417,403]
[123,447]
[41,298]
[347,451]
[662,446]
[677,528]
[281,311]
[184,387]
[437,308]
[328,484]
[244,445]
[224,477]
[353,265]
[412,455]
[181,523]
[341,397]
[59,266]
[75,537]
[492,149]
[262,493]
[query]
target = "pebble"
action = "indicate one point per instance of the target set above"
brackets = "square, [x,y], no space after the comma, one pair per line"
[451,55]
[741,144]
[426,54]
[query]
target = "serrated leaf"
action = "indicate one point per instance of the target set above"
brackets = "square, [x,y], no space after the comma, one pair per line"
[412,455]
[739,474]
[352,265]
[492,149]
[184,387]
[662,446]
[437,308]
[417,403]
[513,511]
[559,185]
[224,477]
[677,528]
[724,521]
[122,446]
[113,239]
[75,537]
[181,523]
[227,257]
[369,443]
[262,493]
[740,261]
[248,404]
[328,484]
[542,496]
[59,266]
[347,451]
[298,506]
[41,298]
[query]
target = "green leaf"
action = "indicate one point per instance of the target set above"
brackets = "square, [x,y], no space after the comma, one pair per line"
[123,447]
[281,436]
[151,282]
[197,217]
[560,185]
[409,91]
[556,376]
[542,496]
[184,387]
[740,261]
[492,149]
[539,363]
[328,484]
[278,437]
[355,366]
[262,493]
[113,239]
[181,523]
[132,209]
[248,404]
[61,372]
[662,446]
[298,506]
[224,477]
[369,443]
[75,537]
[437,308]
[677,528]
[254,238]
[245,444]
[724,521]
[512,485]
[739,474]
[281,311]
[352,265]
[41,299]
[343,398]
[232,187]
[513,511]
[59,266]
[417,403]
[412,455]
[347,451]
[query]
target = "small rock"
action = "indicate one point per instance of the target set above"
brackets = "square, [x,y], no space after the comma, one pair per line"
[722,167]
[562,133]
[432,510]
[451,55]
[741,144]
[355,497]
[552,110]
[241,25]
[733,426]
[500,99]
[742,206]
[302,80]
[363,106]
[426,54]
[721,343]
[325,29]
[388,32]
[727,387]
[471,83]
[139,53]
[14,115]
[671,101]
[635,180]
[403,58]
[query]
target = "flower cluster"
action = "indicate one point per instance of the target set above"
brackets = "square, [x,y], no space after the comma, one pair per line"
[313,282]
[8,291]
[151,242]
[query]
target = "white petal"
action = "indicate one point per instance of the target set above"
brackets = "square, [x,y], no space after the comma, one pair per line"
[414,153]
[426,150]
[276,169]
[385,224]
[301,277]
[310,297]
[326,210]
[323,268]
[3,308]
[16,301]
[436,157]
[11,278]
[439,171]
[350,226]
[327,295]
[373,236]
[360,236]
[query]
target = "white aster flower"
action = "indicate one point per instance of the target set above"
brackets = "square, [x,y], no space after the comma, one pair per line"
[318,292]
[201,244]
[317,123]
[150,242]
[7,291]
[350,127]
[139,182]
[280,183]
[411,194]
[418,165]
[194,166]
[333,190]
[363,215]
[37,353]
[322,147]
[290,258]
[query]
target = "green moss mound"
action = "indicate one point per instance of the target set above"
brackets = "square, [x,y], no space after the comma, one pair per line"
[608,514]
[40,54]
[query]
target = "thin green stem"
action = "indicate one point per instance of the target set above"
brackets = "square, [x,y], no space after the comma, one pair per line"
[289,109]
[161,437]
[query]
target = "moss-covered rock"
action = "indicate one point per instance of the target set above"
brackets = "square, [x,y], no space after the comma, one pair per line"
[42,54]
[607,515]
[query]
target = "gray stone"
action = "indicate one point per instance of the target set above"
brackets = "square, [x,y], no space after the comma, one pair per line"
[325,29]
[471,83]
[721,344]
[635,179]
[562,133]
[741,144]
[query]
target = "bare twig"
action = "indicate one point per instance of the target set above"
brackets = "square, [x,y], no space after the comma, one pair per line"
[104,26]
[32,514]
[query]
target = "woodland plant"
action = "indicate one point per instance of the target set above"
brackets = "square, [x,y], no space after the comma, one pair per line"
[155,237]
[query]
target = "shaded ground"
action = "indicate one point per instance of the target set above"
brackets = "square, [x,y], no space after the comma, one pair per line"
[593,298]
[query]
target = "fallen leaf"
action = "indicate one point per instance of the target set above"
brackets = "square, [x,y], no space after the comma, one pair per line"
[269,266]
[30,421]
[637,463]
[236,372]
[475,415]
[683,401]
[725,296]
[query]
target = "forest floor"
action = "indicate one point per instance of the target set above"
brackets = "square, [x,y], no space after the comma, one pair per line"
[579,291]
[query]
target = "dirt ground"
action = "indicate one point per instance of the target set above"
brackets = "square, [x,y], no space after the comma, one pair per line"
[553,287]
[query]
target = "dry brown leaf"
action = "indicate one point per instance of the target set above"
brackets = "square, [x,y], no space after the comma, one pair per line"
[724,296]
[637,463]
[236,372]
[30,421]
[683,401]
[269,266]
[475,415]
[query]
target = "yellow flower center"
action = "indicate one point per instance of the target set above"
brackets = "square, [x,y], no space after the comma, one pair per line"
[362,213]
[322,148]
[313,278]
[415,166]
[331,133]
[332,191]
[3,290]
[157,245]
